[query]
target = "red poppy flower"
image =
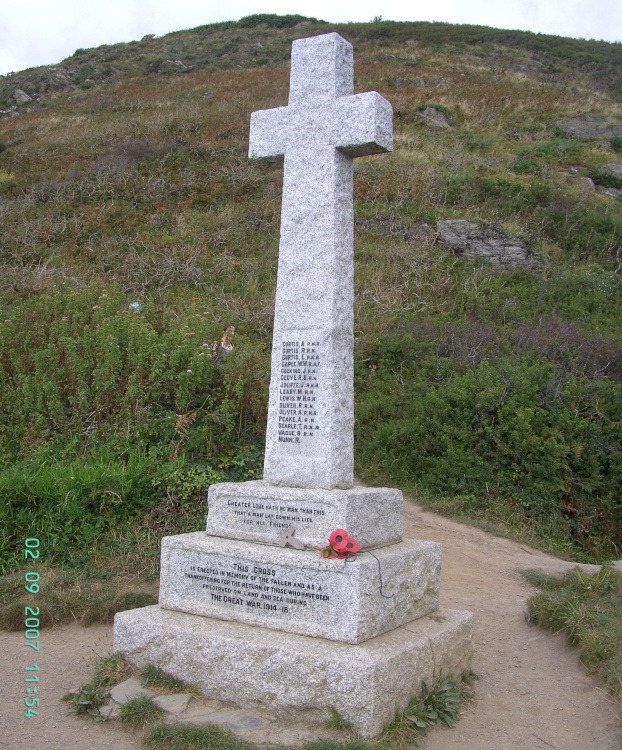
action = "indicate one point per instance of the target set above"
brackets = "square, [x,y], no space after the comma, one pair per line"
[350,547]
[337,538]
[341,544]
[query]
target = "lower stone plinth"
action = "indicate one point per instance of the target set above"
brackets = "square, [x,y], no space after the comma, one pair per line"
[253,667]
[297,590]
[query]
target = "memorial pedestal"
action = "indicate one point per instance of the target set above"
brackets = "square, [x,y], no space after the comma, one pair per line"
[257,511]
[298,591]
[297,675]
[258,624]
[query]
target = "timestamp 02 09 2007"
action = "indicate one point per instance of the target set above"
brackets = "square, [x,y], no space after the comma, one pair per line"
[31,630]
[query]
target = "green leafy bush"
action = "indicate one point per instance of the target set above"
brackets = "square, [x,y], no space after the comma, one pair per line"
[525,164]
[104,411]
[515,428]
[605,179]
[274,21]
[436,704]
[78,366]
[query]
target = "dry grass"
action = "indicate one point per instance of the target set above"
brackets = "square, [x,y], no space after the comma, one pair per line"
[69,596]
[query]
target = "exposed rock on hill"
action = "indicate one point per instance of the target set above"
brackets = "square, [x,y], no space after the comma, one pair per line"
[574,173]
[528,66]
[612,170]
[476,240]
[587,127]
[610,191]
[173,64]
[432,118]
[21,97]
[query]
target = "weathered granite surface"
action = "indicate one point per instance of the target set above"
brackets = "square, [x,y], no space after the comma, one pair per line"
[588,125]
[297,590]
[294,675]
[258,511]
[433,118]
[473,239]
[309,440]
[282,628]
[613,169]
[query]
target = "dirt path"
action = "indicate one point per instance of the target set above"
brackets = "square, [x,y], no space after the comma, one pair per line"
[532,695]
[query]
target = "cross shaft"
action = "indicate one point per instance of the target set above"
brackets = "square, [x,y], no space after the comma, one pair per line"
[309,441]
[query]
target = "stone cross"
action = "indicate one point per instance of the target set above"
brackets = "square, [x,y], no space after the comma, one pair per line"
[309,440]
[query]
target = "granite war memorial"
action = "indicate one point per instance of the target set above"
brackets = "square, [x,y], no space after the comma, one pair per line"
[249,610]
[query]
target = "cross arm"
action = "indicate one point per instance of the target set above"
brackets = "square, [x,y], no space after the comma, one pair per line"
[363,124]
[268,134]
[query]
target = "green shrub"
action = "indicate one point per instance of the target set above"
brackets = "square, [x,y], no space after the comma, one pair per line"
[274,21]
[606,180]
[83,367]
[583,229]
[103,411]
[559,150]
[476,142]
[511,428]
[524,164]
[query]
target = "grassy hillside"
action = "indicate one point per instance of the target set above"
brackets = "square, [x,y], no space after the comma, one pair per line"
[134,230]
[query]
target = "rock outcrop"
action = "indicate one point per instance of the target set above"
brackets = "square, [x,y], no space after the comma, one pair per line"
[587,127]
[432,118]
[21,97]
[612,169]
[476,240]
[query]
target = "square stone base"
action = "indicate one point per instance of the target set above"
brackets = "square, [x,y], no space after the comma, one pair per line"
[297,590]
[257,511]
[253,667]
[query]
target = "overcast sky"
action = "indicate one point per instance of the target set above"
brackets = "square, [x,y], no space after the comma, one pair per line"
[43,32]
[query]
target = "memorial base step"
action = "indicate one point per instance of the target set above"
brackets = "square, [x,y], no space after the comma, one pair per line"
[295,675]
[260,511]
[298,591]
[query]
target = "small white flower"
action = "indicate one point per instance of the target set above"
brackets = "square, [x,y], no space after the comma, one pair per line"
[188,370]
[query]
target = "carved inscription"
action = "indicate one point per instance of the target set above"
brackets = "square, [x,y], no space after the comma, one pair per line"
[298,390]
[269,514]
[249,586]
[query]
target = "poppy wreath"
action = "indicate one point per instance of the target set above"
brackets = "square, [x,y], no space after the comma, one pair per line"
[340,545]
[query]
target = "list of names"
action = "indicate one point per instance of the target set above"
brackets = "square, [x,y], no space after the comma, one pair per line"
[298,390]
